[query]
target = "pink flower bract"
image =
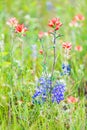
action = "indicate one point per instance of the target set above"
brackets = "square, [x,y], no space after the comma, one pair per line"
[75,21]
[78,48]
[67,45]
[40,35]
[20,28]
[41,51]
[12,22]
[55,23]
[72,99]
[79,17]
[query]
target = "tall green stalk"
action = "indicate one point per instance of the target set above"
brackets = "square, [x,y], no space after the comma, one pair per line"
[54,52]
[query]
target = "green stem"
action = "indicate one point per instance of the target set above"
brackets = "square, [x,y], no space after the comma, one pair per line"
[22,60]
[54,50]
[11,80]
[44,62]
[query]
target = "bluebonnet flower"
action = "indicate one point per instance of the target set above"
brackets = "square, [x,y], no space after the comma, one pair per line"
[58,92]
[49,5]
[66,69]
[45,88]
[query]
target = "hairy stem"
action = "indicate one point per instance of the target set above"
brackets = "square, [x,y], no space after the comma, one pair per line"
[22,60]
[54,51]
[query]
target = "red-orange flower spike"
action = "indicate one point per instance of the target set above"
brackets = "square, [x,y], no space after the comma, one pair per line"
[67,45]
[79,17]
[41,51]
[55,23]
[72,99]
[40,35]
[73,23]
[12,22]
[20,28]
[78,48]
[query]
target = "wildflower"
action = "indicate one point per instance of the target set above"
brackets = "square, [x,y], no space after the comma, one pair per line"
[42,90]
[78,48]
[76,20]
[72,99]
[55,23]
[41,51]
[67,45]
[40,35]
[12,22]
[58,92]
[73,23]
[45,89]
[66,69]
[20,28]
[79,17]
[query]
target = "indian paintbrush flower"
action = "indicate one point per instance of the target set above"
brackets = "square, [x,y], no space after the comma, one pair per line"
[55,23]
[72,99]
[20,28]
[12,22]
[78,48]
[40,35]
[41,52]
[79,17]
[75,21]
[67,45]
